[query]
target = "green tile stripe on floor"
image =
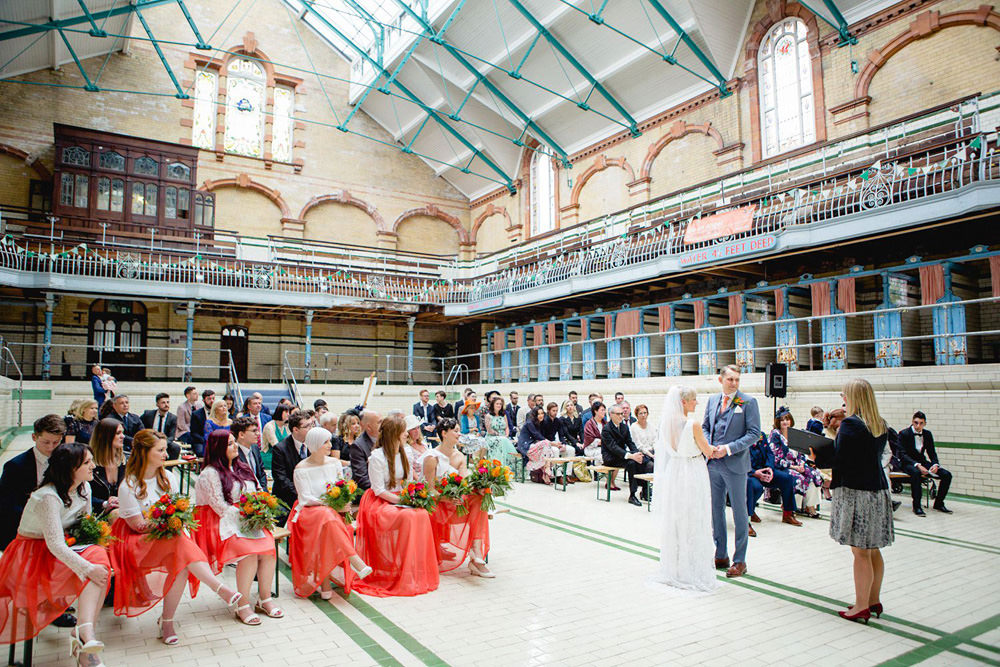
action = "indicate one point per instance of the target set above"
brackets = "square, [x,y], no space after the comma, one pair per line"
[350,628]
[948,643]
[405,639]
[967,445]
[977,500]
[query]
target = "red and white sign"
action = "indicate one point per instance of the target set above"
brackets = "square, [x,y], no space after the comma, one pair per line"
[725,251]
[716,226]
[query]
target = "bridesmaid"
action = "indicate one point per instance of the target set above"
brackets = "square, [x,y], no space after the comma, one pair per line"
[40,575]
[397,542]
[321,540]
[147,571]
[223,478]
[108,445]
[456,536]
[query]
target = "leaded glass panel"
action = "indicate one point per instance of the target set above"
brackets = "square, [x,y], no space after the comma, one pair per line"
[66,189]
[82,187]
[245,109]
[117,195]
[138,195]
[170,202]
[112,160]
[203,127]
[785,86]
[282,124]
[146,166]
[103,193]
[76,155]
[150,199]
[179,171]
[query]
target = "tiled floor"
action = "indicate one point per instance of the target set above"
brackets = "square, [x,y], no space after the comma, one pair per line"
[572,589]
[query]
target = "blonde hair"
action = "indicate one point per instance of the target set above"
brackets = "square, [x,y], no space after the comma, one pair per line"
[860,399]
[215,408]
[77,407]
[566,406]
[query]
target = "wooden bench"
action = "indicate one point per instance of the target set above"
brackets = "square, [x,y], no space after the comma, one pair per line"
[566,462]
[648,478]
[280,534]
[897,479]
[606,471]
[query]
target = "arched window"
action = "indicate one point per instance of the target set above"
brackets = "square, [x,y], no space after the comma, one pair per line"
[206,89]
[98,342]
[787,114]
[245,88]
[125,342]
[136,336]
[109,336]
[543,193]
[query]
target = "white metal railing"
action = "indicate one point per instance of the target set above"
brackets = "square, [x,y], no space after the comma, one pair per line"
[7,357]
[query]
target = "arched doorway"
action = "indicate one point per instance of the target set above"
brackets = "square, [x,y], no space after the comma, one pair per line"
[116,334]
[233,340]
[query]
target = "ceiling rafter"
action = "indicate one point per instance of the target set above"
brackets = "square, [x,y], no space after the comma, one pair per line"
[839,23]
[686,38]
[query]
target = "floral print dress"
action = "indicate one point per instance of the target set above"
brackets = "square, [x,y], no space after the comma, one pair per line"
[785,457]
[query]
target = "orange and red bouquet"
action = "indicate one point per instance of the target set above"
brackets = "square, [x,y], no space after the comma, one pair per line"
[90,529]
[340,495]
[169,515]
[492,479]
[453,487]
[259,510]
[416,494]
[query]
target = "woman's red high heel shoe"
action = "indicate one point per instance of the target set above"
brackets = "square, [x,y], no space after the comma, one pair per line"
[862,615]
[876,609]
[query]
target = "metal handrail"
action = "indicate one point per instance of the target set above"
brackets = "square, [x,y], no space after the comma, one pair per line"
[288,377]
[8,357]
[456,372]
[233,385]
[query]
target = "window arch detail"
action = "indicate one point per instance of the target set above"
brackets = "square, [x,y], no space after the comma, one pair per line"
[784,71]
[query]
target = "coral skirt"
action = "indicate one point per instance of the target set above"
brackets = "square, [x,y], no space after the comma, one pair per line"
[398,543]
[36,587]
[455,534]
[320,541]
[221,552]
[145,569]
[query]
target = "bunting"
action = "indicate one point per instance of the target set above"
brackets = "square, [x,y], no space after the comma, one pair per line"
[518,337]
[536,335]
[499,341]
[628,323]
[820,292]
[995,274]
[551,326]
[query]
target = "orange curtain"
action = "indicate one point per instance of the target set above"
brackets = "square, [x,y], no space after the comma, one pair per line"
[779,303]
[584,329]
[499,340]
[820,298]
[518,337]
[666,318]
[699,314]
[608,326]
[931,283]
[995,274]
[846,297]
[627,323]
[735,308]
[551,333]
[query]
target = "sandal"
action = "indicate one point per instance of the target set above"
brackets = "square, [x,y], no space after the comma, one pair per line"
[169,640]
[480,570]
[275,612]
[77,645]
[237,596]
[249,619]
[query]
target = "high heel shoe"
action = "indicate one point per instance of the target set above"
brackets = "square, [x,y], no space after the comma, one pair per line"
[862,615]
[170,640]
[237,596]
[480,570]
[363,572]
[77,645]
[876,609]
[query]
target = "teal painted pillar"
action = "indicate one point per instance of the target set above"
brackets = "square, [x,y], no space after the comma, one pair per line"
[744,339]
[410,321]
[613,348]
[888,331]
[708,360]
[949,327]
[490,360]
[786,334]
[50,302]
[309,340]
[189,343]
[640,350]
[672,360]
[565,355]
[523,358]
[834,335]
[589,351]
[505,360]
[542,372]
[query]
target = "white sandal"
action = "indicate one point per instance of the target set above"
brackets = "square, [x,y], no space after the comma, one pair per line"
[363,572]
[77,645]
[171,640]
[251,619]
[276,612]
[481,570]
[237,596]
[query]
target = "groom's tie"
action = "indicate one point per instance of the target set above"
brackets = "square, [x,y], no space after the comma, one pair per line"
[725,402]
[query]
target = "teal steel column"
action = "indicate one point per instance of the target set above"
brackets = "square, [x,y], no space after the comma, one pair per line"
[309,340]
[189,343]
[686,38]
[50,302]
[410,321]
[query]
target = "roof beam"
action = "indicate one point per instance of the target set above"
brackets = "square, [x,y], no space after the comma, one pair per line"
[686,38]
[482,79]
[841,23]
[633,125]
[435,116]
[75,20]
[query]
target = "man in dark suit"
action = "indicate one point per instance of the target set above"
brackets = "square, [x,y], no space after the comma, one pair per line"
[244,429]
[460,404]
[96,385]
[618,450]
[919,459]
[287,454]
[362,447]
[164,421]
[196,436]
[255,410]
[511,413]
[130,421]
[424,411]
[765,474]
[22,475]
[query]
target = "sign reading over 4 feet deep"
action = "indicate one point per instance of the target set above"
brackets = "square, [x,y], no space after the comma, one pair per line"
[728,250]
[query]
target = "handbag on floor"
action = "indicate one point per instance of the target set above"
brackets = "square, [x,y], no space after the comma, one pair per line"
[581,472]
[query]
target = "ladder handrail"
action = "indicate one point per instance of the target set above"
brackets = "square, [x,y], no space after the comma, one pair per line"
[288,377]
[8,357]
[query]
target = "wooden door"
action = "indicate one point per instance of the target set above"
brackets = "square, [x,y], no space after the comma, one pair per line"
[234,340]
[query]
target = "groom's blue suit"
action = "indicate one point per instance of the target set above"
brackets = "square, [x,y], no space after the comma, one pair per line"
[738,429]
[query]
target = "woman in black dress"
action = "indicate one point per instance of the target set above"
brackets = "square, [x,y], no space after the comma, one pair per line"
[571,427]
[81,420]
[108,444]
[861,514]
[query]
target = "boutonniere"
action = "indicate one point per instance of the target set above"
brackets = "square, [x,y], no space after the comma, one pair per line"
[737,404]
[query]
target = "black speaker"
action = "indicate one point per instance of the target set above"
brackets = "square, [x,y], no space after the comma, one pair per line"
[776,380]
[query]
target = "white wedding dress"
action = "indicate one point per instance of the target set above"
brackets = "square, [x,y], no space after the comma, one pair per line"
[684,503]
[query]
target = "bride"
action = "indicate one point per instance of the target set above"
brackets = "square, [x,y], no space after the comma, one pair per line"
[683,499]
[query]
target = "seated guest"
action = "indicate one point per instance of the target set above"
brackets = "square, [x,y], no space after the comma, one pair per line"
[184,412]
[588,414]
[148,571]
[424,411]
[550,423]
[592,437]
[218,418]
[808,479]
[363,446]
[196,436]
[320,407]
[80,421]
[627,415]
[536,448]
[764,473]
[275,431]
[224,477]
[571,427]
[919,459]
[131,422]
[40,575]
[244,431]
[230,402]
[467,394]
[321,540]
[522,416]
[618,450]
[161,419]
[396,542]
[511,412]
[287,454]
[348,430]
[472,428]
[573,399]
[442,408]
[23,474]
[456,536]
[255,409]
[815,423]
[498,445]
[329,421]
[108,445]
[831,422]
[415,446]
[643,432]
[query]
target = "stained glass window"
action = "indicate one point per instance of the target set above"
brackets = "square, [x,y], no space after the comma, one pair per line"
[282,124]
[150,199]
[205,91]
[112,160]
[179,171]
[245,85]
[82,186]
[103,193]
[76,155]
[183,203]
[117,195]
[146,166]
[138,195]
[543,194]
[66,189]
[785,85]
[170,202]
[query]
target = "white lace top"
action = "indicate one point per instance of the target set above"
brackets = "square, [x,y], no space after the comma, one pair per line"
[129,505]
[208,491]
[45,517]
[415,459]
[310,481]
[443,468]
[378,473]
[644,438]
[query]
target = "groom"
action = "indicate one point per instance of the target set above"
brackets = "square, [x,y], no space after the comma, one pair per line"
[732,424]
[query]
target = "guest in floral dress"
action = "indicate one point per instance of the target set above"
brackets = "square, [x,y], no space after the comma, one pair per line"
[498,445]
[808,480]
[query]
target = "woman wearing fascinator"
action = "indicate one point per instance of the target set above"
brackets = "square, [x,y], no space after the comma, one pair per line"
[683,498]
